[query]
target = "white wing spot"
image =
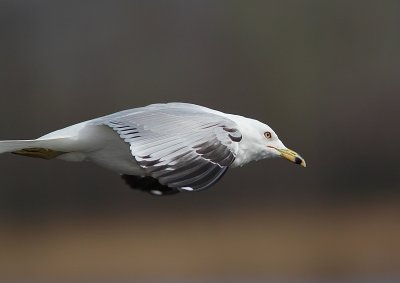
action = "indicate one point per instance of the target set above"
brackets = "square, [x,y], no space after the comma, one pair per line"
[156,192]
[186,189]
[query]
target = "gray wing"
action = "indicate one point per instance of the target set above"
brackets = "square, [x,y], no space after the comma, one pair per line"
[184,148]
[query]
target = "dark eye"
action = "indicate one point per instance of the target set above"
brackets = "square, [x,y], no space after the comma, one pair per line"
[268,135]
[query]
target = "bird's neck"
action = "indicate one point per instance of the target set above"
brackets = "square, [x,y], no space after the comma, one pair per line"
[248,148]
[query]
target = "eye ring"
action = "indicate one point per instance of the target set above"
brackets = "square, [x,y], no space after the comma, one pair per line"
[268,135]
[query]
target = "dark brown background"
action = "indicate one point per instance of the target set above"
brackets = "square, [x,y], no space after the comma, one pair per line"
[323,74]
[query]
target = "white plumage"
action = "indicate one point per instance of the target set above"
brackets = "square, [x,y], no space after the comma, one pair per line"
[161,148]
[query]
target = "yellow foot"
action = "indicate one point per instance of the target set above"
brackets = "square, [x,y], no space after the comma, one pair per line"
[43,153]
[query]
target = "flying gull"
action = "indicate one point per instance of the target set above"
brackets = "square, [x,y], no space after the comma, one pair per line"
[162,148]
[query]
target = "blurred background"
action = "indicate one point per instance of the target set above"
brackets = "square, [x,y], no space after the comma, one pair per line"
[323,74]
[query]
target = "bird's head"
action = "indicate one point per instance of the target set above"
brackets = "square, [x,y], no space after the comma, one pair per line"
[263,142]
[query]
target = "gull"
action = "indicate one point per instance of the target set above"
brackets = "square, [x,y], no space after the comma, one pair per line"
[162,148]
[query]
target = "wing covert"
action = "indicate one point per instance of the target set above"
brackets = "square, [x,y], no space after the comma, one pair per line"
[183,149]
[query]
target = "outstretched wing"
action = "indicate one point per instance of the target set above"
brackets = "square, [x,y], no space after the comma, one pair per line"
[187,149]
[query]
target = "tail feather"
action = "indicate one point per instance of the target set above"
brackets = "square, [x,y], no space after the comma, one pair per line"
[14,145]
[47,148]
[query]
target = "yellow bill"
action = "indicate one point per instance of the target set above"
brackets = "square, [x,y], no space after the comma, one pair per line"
[291,156]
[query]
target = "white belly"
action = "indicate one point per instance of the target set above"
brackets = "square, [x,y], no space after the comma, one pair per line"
[103,146]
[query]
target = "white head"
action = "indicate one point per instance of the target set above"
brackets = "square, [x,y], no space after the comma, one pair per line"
[259,141]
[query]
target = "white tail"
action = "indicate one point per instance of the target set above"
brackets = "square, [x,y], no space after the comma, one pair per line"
[14,145]
[46,148]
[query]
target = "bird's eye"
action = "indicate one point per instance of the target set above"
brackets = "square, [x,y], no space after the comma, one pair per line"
[268,135]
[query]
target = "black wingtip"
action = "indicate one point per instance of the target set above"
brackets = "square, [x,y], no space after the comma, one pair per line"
[148,185]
